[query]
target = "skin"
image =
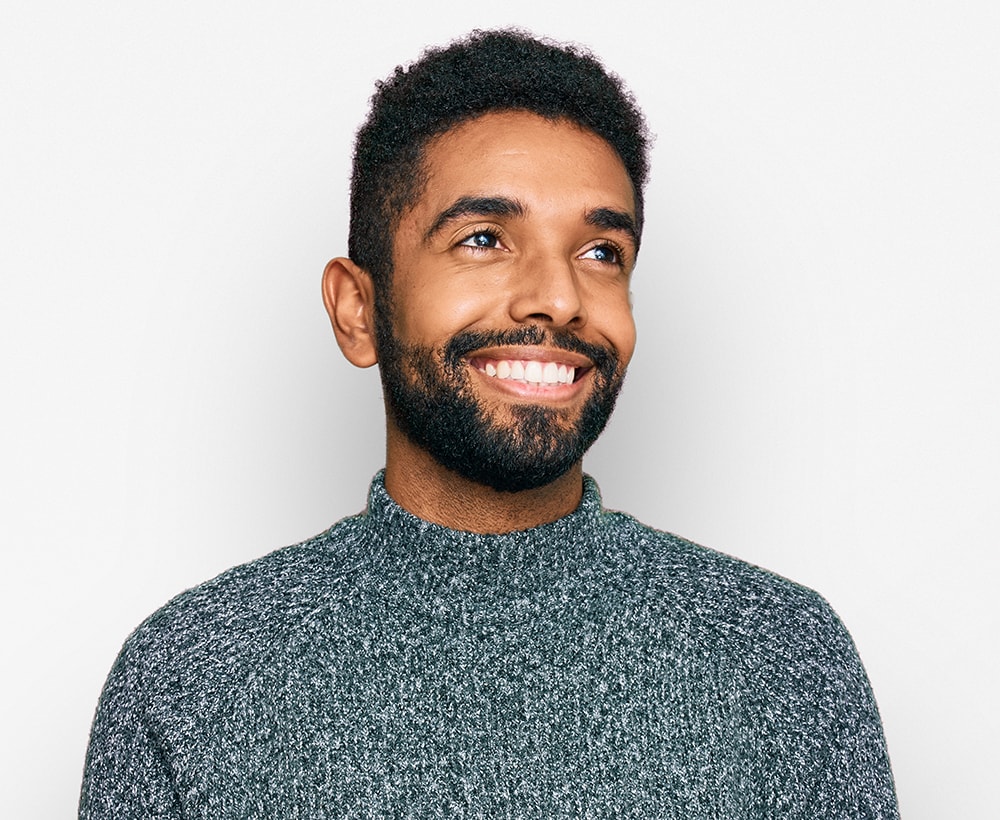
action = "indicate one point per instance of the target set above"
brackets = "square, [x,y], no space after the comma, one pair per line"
[523,220]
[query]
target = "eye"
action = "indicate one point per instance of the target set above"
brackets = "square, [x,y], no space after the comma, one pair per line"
[607,254]
[482,239]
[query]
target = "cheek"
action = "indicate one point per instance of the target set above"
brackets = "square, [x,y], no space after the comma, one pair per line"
[430,311]
[627,336]
[611,316]
[433,301]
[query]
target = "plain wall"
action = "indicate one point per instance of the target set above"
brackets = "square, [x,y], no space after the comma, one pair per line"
[815,390]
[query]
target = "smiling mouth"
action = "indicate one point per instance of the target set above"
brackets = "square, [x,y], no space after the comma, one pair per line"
[529,371]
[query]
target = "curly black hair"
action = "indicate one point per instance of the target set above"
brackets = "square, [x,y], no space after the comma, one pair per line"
[486,71]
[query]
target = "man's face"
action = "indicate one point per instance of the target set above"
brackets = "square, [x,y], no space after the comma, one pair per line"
[511,326]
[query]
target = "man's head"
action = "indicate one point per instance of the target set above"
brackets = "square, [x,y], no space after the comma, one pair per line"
[486,72]
[495,221]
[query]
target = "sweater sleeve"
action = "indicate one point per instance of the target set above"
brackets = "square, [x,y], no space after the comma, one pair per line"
[127,772]
[823,749]
[857,775]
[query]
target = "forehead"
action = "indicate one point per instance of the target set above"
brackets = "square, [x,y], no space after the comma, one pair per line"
[525,155]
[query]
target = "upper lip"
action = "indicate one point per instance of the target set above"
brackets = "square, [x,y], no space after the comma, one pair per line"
[529,353]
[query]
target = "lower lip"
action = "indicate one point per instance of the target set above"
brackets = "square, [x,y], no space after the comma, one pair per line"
[532,390]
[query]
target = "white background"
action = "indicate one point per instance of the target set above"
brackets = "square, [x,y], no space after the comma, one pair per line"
[816,387]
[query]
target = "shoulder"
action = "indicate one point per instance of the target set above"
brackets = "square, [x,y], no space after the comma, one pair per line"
[725,599]
[707,575]
[780,643]
[242,610]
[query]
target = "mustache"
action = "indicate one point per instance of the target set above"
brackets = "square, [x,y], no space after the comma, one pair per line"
[605,359]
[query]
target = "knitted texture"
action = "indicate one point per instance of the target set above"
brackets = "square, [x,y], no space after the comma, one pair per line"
[591,667]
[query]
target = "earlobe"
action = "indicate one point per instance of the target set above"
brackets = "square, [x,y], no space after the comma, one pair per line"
[349,298]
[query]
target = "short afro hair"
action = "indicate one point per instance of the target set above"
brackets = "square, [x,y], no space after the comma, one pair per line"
[484,72]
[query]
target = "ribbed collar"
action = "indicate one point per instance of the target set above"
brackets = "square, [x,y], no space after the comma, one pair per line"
[397,534]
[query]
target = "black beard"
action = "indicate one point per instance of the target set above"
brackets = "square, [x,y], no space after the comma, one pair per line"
[428,396]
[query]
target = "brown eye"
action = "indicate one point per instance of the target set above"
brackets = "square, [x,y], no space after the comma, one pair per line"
[481,239]
[607,254]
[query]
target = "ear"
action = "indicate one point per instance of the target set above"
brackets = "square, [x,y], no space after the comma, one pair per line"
[350,301]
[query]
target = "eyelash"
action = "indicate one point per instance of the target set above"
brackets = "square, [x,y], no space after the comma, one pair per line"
[614,247]
[497,236]
[491,231]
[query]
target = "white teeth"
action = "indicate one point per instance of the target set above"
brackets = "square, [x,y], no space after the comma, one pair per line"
[531,371]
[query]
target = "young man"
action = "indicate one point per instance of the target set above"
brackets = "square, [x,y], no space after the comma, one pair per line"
[485,639]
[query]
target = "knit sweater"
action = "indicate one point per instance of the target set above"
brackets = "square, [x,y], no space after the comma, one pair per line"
[390,667]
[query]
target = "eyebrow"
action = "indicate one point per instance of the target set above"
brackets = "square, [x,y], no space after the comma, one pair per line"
[475,206]
[612,220]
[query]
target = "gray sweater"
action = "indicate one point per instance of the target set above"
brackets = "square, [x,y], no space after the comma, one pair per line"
[591,667]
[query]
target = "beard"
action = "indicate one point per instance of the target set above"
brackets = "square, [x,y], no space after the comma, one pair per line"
[429,396]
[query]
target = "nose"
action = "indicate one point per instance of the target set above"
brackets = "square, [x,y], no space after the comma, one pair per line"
[547,290]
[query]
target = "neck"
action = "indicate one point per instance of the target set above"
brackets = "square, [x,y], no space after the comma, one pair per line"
[423,487]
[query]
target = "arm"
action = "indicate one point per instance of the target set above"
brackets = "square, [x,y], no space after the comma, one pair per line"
[823,753]
[127,773]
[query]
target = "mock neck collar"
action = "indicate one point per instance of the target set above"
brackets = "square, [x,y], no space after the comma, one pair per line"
[383,511]
[396,532]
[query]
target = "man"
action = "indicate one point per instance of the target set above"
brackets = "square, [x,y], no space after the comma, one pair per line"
[485,639]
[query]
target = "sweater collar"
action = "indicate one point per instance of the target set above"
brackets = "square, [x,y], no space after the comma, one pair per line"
[563,539]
